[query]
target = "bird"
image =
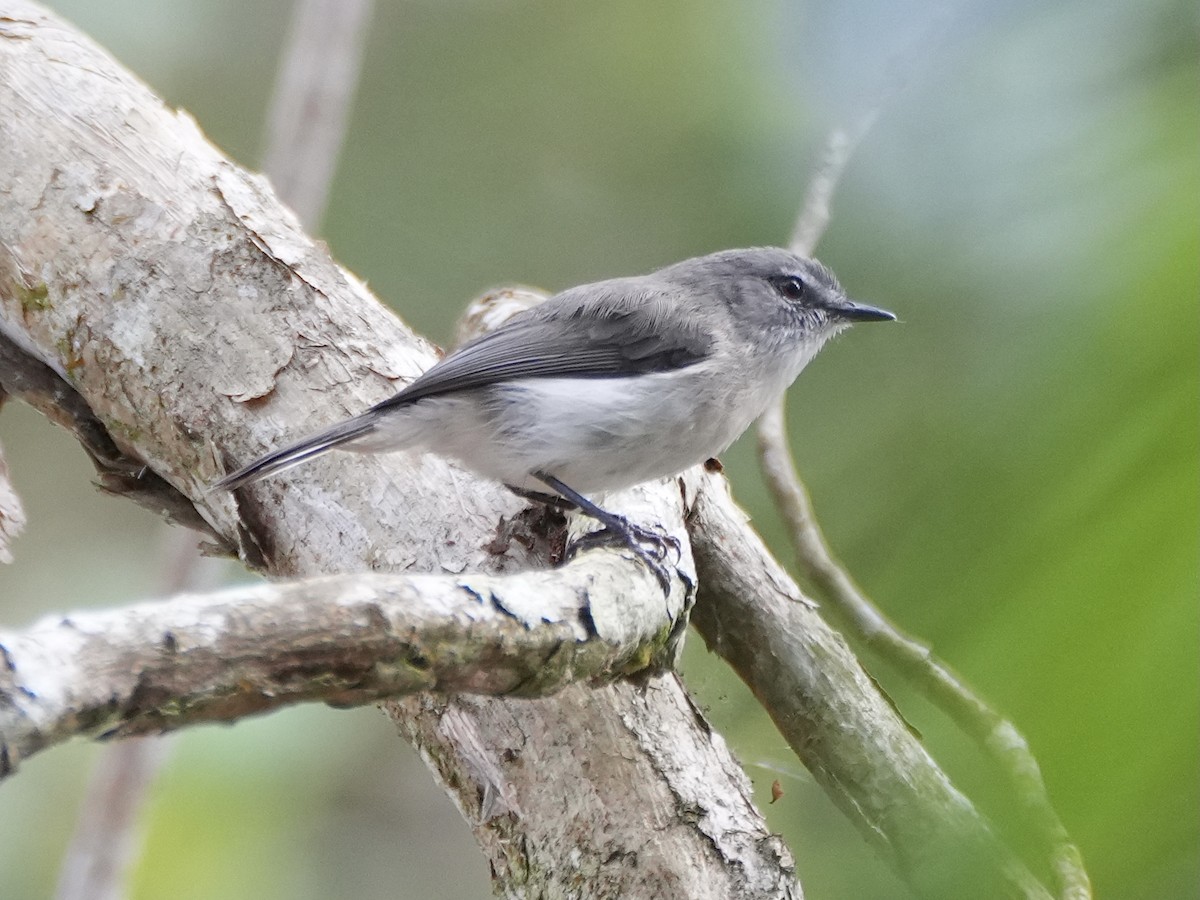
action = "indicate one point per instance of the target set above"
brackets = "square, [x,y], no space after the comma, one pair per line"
[610,384]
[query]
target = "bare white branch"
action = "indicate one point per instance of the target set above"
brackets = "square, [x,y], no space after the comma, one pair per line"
[345,640]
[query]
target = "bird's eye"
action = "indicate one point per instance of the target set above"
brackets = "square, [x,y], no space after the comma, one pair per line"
[791,287]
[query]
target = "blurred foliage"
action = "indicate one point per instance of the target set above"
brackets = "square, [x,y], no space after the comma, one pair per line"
[1012,471]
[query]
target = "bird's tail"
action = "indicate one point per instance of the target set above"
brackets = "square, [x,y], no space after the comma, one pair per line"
[304,450]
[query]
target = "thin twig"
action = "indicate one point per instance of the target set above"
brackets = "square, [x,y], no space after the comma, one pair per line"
[814,213]
[343,639]
[648,771]
[105,841]
[1000,740]
[314,92]
[840,725]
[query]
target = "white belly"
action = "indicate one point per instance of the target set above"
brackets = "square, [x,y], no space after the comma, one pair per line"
[594,434]
[616,432]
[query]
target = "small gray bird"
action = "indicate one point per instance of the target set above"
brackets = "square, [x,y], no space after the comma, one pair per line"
[607,385]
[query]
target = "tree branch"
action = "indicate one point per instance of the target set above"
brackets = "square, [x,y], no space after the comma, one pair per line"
[346,640]
[32,381]
[814,214]
[199,327]
[314,92]
[308,117]
[999,739]
[845,731]
[105,841]
[1004,745]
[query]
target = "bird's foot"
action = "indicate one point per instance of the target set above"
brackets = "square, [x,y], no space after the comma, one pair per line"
[649,545]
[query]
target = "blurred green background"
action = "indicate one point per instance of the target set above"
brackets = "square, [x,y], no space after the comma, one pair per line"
[1012,471]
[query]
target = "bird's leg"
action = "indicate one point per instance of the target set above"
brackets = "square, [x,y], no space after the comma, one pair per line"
[554,501]
[649,545]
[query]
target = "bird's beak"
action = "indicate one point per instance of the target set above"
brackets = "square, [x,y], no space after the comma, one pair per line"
[844,308]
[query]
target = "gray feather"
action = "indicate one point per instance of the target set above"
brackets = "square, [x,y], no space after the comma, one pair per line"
[294,454]
[605,331]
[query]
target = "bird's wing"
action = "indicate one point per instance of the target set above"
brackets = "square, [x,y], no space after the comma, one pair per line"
[605,331]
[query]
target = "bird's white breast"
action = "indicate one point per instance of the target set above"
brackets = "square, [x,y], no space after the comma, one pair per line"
[594,434]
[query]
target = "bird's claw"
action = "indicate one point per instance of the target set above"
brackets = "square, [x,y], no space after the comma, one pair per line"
[649,545]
